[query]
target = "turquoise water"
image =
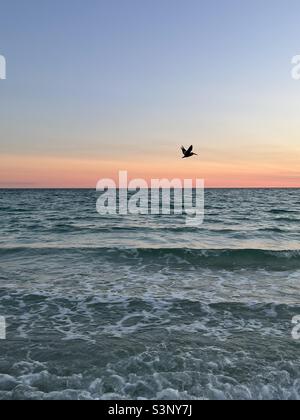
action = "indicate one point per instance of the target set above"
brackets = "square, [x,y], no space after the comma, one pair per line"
[143,307]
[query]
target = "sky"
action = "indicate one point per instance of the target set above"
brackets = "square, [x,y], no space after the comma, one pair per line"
[100,86]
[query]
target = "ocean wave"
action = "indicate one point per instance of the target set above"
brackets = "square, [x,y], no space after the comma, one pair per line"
[282,211]
[176,350]
[64,228]
[274,230]
[181,257]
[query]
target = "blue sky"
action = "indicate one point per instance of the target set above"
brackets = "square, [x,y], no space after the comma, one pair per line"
[110,78]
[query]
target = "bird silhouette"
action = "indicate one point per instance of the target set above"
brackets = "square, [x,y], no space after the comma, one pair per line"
[188,153]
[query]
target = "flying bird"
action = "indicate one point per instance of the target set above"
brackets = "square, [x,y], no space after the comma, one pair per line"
[188,153]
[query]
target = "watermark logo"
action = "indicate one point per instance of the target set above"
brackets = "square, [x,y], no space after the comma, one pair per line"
[296,67]
[2,67]
[157,197]
[2,328]
[296,329]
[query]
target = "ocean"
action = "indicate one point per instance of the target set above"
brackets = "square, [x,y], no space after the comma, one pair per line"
[145,307]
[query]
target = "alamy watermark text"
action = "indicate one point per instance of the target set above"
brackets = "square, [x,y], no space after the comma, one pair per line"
[2,67]
[2,328]
[159,196]
[296,329]
[296,67]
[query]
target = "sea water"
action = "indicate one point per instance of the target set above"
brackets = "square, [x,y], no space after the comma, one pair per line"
[145,307]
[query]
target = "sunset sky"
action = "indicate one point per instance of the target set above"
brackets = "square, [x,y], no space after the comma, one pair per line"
[100,86]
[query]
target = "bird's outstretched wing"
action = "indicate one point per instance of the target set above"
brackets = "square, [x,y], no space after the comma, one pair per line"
[183,150]
[190,149]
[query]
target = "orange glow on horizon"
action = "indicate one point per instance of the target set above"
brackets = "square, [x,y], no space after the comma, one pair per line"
[52,172]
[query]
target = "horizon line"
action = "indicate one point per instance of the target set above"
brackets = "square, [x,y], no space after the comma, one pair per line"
[206,188]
